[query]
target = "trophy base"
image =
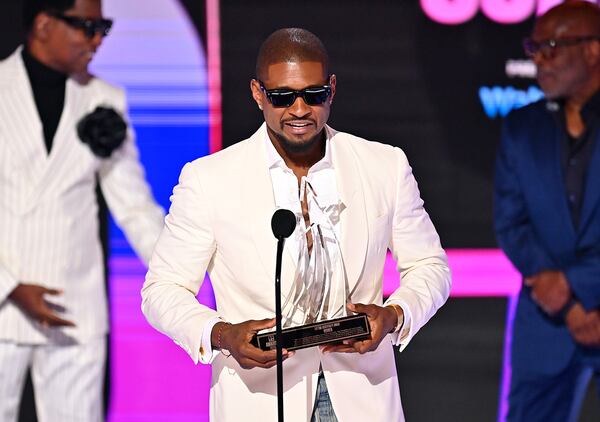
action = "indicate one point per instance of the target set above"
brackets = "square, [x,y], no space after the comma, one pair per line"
[330,331]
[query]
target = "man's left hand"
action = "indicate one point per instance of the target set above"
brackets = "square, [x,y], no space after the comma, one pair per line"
[550,290]
[382,320]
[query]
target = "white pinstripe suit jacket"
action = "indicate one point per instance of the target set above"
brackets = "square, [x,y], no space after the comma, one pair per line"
[48,208]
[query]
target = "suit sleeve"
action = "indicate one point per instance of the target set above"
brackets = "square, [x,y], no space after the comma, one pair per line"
[583,277]
[422,263]
[512,223]
[129,197]
[178,266]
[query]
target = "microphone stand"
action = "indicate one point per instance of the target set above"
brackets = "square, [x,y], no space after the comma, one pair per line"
[278,340]
[283,224]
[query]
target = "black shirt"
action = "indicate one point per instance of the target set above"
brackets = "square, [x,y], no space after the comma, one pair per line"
[575,155]
[48,87]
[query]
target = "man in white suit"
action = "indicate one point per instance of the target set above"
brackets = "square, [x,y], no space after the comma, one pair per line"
[53,314]
[354,199]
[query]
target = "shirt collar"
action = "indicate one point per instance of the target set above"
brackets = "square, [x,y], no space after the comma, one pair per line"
[274,159]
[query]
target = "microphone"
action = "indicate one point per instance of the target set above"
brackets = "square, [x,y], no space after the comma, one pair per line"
[283,223]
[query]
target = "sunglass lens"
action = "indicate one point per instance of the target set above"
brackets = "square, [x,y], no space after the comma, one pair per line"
[316,96]
[101,27]
[282,99]
[530,47]
[106,26]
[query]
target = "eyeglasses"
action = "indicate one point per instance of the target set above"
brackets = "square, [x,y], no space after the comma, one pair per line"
[547,48]
[90,27]
[286,97]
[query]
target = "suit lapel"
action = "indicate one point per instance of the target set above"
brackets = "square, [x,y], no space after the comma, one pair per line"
[547,161]
[65,145]
[591,195]
[24,135]
[259,205]
[354,234]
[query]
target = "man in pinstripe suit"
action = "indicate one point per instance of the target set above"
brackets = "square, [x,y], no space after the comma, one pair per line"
[53,314]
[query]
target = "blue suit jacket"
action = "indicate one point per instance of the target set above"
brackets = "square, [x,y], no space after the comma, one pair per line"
[534,228]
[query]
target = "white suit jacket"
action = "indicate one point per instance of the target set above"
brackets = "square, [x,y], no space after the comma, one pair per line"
[48,210]
[219,222]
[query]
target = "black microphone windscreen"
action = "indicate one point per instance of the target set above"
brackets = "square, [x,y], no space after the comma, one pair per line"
[283,223]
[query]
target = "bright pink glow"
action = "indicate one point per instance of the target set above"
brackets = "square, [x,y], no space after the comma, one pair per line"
[213,42]
[152,378]
[454,12]
[508,11]
[475,272]
[450,12]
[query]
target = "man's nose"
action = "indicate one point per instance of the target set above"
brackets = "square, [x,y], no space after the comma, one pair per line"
[299,108]
[97,39]
[539,57]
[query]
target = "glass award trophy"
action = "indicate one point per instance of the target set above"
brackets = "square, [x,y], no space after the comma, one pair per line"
[314,311]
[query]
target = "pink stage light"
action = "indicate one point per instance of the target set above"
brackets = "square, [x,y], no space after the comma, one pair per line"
[475,273]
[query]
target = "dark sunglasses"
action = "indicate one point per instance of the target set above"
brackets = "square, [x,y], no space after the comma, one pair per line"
[90,27]
[286,97]
[547,48]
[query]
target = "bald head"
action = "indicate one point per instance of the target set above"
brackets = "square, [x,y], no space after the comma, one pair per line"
[574,16]
[568,51]
[290,45]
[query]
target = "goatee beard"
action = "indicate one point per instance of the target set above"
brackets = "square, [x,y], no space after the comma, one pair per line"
[298,147]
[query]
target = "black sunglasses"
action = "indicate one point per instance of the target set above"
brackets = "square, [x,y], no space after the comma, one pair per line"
[90,27]
[283,97]
[547,48]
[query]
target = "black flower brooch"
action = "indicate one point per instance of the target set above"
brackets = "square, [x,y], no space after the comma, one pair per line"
[104,130]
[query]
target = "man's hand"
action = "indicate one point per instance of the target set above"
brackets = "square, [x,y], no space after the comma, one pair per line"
[550,290]
[235,338]
[30,298]
[584,326]
[382,320]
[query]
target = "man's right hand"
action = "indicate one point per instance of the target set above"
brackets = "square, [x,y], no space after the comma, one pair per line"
[235,338]
[30,298]
[584,326]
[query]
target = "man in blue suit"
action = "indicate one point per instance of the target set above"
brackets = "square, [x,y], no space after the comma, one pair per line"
[547,218]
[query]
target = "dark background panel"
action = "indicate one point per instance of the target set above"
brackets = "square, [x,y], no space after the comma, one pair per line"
[402,79]
[11,23]
[451,370]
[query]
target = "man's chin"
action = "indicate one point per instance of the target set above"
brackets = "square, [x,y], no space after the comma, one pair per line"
[298,146]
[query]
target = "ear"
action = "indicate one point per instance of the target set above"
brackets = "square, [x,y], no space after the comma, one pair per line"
[332,82]
[257,93]
[591,53]
[42,24]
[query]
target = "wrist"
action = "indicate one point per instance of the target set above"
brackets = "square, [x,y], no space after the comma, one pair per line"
[217,335]
[567,308]
[399,317]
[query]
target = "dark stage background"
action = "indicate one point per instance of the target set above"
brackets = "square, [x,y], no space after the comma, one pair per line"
[405,80]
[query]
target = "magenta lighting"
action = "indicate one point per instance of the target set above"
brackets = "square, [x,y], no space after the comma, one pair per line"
[455,12]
